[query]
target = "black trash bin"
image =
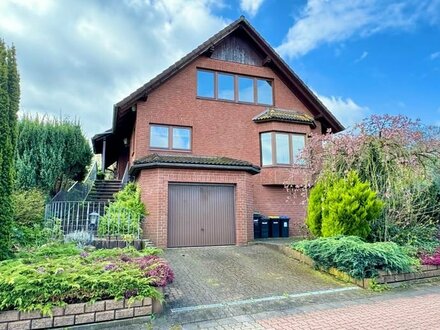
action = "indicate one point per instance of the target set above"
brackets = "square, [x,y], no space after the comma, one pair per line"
[257,225]
[284,226]
[274,225]
[264,227]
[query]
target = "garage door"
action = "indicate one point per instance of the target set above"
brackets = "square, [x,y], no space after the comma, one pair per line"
[200,215]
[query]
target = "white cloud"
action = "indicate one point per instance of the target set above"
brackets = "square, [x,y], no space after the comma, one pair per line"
[434,56]
[345,110]
[78,58]
[323,21]
[251,6]
[362,57]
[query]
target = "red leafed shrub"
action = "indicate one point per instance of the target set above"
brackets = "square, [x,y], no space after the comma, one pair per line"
[432,259]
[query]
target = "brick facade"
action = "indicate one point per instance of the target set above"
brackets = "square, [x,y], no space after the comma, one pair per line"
[154,186]
[221,128]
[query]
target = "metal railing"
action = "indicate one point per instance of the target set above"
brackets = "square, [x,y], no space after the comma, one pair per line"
[79,190]
[97,218]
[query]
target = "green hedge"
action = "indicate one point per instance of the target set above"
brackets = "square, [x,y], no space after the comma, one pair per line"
[355,257]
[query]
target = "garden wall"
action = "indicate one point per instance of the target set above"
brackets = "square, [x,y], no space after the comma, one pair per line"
[425,271]
[115,242]
[79,314]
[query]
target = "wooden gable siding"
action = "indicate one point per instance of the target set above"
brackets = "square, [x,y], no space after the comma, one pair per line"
[236,49]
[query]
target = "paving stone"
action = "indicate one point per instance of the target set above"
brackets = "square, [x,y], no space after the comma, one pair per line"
[9,316]
[114,304]
[124,313]
[85,318]
[30,315]
[62,321]
[98,306]
[105,316]
[142,311]
[42,323]
[19,325]
[74,309]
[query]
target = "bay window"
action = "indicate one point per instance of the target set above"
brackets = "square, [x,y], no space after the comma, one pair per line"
[279,148]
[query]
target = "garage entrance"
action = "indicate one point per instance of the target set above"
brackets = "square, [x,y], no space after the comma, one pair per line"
[200,215]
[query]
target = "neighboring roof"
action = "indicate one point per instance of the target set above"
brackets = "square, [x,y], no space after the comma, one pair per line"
[272,57]
[191,161]
[277,114]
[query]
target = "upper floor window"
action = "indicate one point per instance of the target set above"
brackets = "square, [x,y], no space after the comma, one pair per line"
[205,83]
[232,87]
[279,148]
[170,137]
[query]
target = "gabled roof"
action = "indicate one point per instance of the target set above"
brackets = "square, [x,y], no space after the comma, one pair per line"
[272,58]
[191,161]
[277,114]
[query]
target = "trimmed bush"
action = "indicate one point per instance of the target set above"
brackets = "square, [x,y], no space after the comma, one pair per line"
[57,275]
[124,216]
[355,257]
[345,206]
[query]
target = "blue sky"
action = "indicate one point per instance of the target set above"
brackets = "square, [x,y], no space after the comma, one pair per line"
[78,58]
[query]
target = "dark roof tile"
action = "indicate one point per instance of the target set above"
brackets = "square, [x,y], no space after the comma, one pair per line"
[276,114]
[193,161]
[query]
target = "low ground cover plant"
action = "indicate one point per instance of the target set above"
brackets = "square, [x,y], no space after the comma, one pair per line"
[431,259]
[356,257]
[55,275]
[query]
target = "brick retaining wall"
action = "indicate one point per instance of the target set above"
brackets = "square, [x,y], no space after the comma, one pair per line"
[78,314]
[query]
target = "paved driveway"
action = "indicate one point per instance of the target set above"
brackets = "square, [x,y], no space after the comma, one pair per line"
[219,282]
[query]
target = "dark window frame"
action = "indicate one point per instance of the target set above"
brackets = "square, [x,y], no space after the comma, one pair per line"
[274,151]
[170,137]
[236,92]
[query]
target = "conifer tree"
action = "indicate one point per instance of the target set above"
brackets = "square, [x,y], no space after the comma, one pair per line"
[9,104]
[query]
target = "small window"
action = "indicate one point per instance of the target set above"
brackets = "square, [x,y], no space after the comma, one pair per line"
[245,89]
[225,84]
[264,91]
[282,148]
[266,148]
[159,137]
[205,84]
[181,138]
[178,139]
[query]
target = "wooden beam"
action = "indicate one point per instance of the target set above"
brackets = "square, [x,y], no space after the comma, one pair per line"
[267,60]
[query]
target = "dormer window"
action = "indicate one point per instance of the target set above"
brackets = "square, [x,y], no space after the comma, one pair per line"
[234,88]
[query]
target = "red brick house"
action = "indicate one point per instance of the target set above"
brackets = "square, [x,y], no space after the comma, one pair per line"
[213,138]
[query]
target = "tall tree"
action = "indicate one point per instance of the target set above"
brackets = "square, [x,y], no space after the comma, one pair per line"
[9,104]
[51,153]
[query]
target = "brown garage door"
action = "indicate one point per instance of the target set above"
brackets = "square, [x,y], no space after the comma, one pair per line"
[200,215]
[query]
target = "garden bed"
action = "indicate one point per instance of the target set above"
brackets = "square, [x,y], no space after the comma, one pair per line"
[61,285]
[388,278]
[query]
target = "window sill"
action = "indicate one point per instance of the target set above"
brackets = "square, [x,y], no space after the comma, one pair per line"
[233,102]
[170,150]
